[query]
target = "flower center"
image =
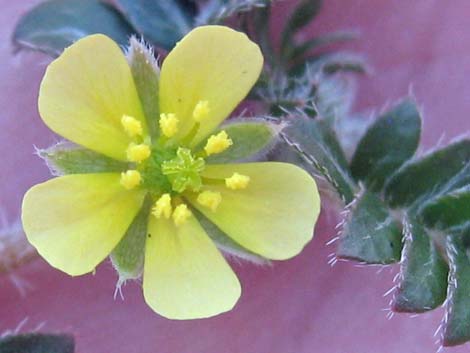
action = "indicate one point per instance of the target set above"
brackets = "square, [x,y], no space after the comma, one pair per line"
[167,171]
[153,178]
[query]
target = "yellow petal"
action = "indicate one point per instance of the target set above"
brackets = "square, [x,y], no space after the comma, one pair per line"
[75,221]
[185,276]
[274,215]
[212,64]
[86,92]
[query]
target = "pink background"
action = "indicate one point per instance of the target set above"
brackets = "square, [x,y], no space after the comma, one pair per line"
[298,306]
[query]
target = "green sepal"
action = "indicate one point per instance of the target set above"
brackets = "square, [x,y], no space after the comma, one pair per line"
[422,282]
[456,324]
[68,158]
[251,138]
[146,73]
[162,23]
[369,234]
[315,144]
[225,243]
[305,12]
[391,140]
[128,256]
[448,212]
[37,343]
[55,24]
[440,171]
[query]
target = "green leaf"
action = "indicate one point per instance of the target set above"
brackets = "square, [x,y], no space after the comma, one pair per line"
[301,50]
[250,139]
[387,144]
[146,73]
[450,211]
[438,172]
[459,180]
[332,64]
[37,343]
[260,18]
[370,233]
[224,242]
[285,152]
[68,158]
[305,12]
[423,272]
[318,146]
[54,25]
[329,64]
[128,256]
[161,22]
[215,12]
[456,326]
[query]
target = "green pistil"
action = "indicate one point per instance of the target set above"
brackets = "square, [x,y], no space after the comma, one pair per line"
[153,178]
[184,170]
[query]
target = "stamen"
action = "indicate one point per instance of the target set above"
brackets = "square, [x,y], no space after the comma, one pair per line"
[168,124]
[185,141]
[201,111]
[130,179]
[210,199]
[138,153]
[237,181]
[181,214]
[131,125]
[218,143]
[162,207]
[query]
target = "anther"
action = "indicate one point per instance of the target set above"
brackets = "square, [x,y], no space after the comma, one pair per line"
[237,181]
[201,111]
[218,143]
[162,207]
[209,199]
[130,179]
[181,214]
[138,152]
[131,125]
[168,124]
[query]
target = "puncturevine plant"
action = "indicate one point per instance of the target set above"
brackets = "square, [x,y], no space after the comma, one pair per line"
[399,207]
[172,189]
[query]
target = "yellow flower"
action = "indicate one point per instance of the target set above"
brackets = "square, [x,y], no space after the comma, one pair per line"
[88,96]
